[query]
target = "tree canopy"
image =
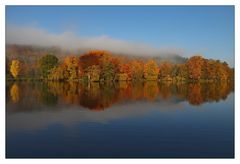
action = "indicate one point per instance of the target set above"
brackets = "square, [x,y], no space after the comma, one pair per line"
[46,63]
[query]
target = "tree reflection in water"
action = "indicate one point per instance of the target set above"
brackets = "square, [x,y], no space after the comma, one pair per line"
[98,96]
[14,93]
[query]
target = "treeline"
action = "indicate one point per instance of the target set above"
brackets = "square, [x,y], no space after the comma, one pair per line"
[105,67]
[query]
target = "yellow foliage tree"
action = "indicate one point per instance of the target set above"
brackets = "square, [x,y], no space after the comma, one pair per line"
[151,69]
[58,73]
[72,63]
[93,72]
[15,68]
[137,69]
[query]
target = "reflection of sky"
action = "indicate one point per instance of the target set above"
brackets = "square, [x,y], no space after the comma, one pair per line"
[67,117]
[150,129]
[76,114]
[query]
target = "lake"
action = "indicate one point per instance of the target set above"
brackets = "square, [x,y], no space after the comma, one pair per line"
[148,119]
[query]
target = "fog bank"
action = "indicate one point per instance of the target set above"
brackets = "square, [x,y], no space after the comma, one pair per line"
[24,35]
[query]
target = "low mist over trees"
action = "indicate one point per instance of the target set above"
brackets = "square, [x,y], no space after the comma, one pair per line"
[99,65]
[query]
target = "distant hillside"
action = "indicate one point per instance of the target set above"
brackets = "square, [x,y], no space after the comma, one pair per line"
[172,58]
[30,53]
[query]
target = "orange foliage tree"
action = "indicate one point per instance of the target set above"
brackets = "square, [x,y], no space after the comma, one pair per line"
[165,69]
[125,68]
[92,58]
[194,65]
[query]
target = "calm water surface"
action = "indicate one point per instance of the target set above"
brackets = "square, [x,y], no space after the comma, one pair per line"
[119,120]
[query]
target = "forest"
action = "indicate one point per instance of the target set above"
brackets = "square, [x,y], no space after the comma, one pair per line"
[104,66]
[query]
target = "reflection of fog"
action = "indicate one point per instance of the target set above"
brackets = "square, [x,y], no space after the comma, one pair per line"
[74,114]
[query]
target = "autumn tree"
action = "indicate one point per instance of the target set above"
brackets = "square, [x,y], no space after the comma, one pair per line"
[226,72]
[194,65]
[72,64]
[165,69]
[91,58]
[151,70]
[15,68]
[137,69]
[209,69]
[93,73]
[215,70]
[107,68]
[116,61]
[46,63]
[175,70]
[221,71]
[27,69]
[58,73]
[180,71]
[124,72]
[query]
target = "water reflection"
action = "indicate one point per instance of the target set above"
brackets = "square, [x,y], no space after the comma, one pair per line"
[146,119]
[14,92]
[98,97]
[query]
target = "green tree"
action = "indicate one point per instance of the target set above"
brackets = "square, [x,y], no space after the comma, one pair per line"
[46,63]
